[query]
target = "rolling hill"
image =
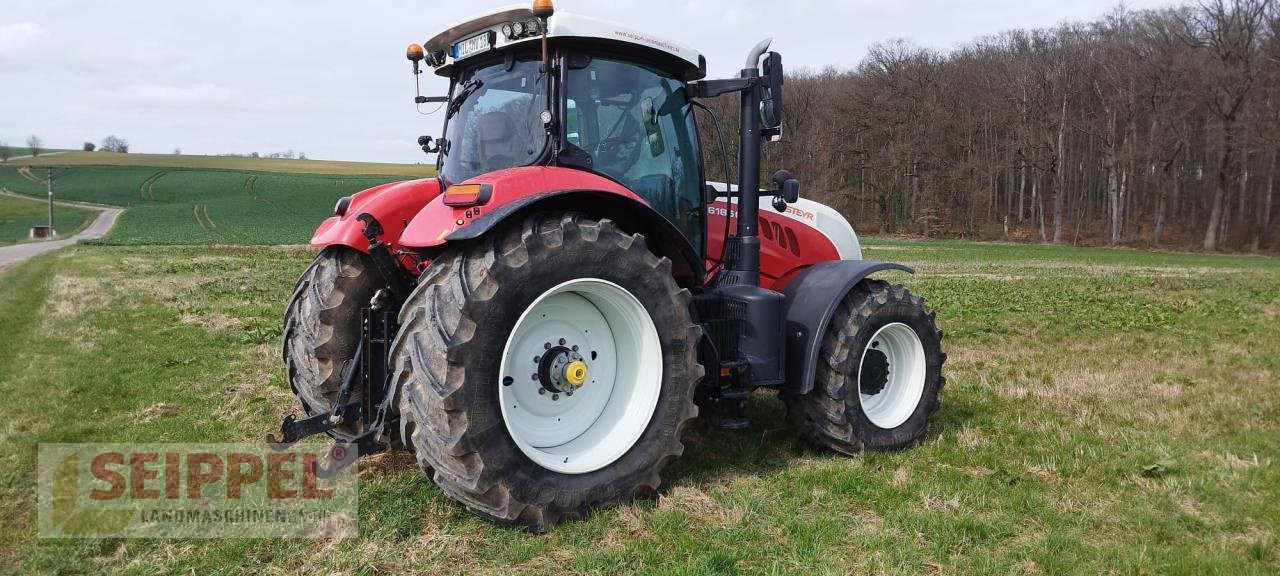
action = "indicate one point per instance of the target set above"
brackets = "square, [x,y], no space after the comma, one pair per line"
[175,199]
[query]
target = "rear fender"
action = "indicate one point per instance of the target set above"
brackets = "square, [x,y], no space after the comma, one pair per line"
[516,192]
[393,204]
[812,298]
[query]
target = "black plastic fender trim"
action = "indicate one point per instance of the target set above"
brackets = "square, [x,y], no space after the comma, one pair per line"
[812,299]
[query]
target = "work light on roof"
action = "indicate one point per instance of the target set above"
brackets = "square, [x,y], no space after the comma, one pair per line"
[543,8]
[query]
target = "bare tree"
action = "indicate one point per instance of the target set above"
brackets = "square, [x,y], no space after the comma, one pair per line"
[1131,128]
[35,145]
[1229,30]
[113,143]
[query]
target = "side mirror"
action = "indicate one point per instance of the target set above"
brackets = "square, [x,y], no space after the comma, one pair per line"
[786,190]
[428,144]
[653,132]
[791,191]
[771,98]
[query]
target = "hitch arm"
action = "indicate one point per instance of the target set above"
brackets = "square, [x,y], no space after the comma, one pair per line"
[397,279]
[348,382]
[292,429]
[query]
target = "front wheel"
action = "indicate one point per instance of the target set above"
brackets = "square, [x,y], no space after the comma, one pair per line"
[322,328]
[879,373]
[552,366]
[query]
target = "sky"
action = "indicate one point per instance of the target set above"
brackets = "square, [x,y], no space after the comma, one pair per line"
[329,78]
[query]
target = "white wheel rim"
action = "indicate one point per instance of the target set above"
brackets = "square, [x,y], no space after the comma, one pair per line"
[605,416]
[897,401]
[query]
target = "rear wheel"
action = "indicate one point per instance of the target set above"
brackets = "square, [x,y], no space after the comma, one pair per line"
[879,373]
[322,327]
[551,367]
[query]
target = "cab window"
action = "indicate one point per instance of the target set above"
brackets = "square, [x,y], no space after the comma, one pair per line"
[637,125]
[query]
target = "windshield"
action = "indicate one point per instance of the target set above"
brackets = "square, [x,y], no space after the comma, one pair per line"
[493,119]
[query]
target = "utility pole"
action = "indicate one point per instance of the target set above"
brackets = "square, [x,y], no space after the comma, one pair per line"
[48,181]
[49,184]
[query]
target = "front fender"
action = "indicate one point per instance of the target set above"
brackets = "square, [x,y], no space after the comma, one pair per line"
[393,204]
[519,191]
[812,299]
[438,223]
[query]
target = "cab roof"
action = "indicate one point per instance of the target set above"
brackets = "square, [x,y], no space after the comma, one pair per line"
[567,26]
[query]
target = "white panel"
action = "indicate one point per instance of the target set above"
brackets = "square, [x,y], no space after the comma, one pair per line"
[819,216]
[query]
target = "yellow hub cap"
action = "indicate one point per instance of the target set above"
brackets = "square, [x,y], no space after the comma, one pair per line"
[575,373]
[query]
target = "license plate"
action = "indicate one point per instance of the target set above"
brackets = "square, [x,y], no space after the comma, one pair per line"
[472,46]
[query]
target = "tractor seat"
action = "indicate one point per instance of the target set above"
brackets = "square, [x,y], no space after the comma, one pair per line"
[659,190]
[500,144]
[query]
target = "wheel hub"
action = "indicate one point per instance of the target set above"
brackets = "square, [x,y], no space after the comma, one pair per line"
[575,373]
[875,372]
[561,370]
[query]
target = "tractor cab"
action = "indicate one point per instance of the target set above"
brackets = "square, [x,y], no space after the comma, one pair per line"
[590,95]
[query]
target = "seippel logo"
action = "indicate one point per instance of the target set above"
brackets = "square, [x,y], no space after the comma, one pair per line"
[129,475]
[190,490]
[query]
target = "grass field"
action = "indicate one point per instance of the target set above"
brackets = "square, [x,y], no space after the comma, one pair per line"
[200,206]
[17,216]
[1105,412]
[192,162]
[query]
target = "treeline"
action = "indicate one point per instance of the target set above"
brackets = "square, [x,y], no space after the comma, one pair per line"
[287,155]
[1156,127]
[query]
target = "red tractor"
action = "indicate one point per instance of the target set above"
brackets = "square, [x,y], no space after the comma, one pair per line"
[541,321]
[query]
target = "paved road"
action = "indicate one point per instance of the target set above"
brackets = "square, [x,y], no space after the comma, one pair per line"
[42,154]
[99,228]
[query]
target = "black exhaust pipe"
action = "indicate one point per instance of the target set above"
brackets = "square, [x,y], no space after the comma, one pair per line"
[745,259]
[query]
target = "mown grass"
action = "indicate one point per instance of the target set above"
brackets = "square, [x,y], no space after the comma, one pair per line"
[18,215]
[1105,412]
[238,163]
[196,206]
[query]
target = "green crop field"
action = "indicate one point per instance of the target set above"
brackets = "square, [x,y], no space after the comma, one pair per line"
[200,206]
[17,216]
[1106,412]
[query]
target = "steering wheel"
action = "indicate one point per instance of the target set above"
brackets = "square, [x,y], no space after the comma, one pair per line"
[620,153]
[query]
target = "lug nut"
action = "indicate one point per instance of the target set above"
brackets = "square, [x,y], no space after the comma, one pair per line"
[537,359]
[542,391]
[562,341]
[555,396]
[535,376]
[546,346]
[569,393]
[575,347]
